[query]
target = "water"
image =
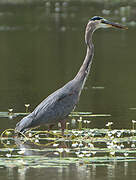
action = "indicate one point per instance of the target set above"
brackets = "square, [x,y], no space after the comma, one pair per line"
[42,47]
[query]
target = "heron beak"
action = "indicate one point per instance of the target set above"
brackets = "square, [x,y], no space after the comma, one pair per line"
[111,24]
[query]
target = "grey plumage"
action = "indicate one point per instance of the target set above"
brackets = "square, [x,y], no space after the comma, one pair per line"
[57,106]
[65,97]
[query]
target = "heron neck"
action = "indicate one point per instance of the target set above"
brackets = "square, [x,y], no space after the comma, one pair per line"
[85,68]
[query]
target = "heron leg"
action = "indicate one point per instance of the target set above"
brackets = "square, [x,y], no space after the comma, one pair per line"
[50,127]
[63,126]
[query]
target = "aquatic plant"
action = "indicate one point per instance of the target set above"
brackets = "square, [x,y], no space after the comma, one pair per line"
[82,142]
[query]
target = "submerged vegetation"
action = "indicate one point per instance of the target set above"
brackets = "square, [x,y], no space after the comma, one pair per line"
[81,144]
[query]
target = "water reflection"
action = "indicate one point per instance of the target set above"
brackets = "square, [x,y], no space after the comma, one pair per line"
[79,172]
[22,173]
[62,13]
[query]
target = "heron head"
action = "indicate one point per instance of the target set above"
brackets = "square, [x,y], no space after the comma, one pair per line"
[100,22]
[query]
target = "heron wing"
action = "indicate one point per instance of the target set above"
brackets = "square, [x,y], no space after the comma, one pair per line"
[55,107]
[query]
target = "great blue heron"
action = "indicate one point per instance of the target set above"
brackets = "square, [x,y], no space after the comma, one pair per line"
[57,106]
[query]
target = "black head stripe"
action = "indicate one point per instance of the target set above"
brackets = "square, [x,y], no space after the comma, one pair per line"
[96,18]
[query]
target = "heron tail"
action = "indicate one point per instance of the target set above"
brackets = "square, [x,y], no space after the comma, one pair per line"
[24,124]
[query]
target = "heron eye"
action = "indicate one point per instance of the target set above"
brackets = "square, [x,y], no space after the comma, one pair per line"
[103,21]
[96,18]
